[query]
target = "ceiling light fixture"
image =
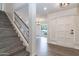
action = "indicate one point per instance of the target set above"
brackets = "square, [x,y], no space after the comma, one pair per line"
[64,4]
[45,8]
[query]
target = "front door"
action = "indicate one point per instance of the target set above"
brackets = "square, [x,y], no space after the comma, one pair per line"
[63,30]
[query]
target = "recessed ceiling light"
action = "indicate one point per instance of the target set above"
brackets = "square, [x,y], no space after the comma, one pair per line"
[45,8]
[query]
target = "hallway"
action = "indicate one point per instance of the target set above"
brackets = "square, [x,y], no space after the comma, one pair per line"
[60,25]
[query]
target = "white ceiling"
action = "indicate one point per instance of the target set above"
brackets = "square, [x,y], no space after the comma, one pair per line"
[40,12]
[51,7]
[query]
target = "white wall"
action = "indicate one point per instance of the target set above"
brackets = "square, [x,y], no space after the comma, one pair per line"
[18,6]
[60,25]
[8,8]
[77,29]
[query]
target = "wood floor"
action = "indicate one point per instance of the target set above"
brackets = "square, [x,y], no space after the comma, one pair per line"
[10,44]
[44,49]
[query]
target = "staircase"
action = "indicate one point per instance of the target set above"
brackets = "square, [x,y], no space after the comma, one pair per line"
[10,44]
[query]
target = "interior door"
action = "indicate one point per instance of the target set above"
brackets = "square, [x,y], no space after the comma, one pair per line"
[63,30]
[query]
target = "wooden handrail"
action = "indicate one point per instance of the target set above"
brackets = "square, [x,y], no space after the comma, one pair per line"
[24,24]
[21,19]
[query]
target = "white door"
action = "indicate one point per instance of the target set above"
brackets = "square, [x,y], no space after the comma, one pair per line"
[62,30]
[70,30]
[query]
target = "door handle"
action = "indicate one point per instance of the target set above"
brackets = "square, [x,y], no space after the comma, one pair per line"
[72,31]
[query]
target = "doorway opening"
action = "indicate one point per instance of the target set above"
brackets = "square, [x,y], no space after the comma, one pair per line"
[44,29]
[42,32]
